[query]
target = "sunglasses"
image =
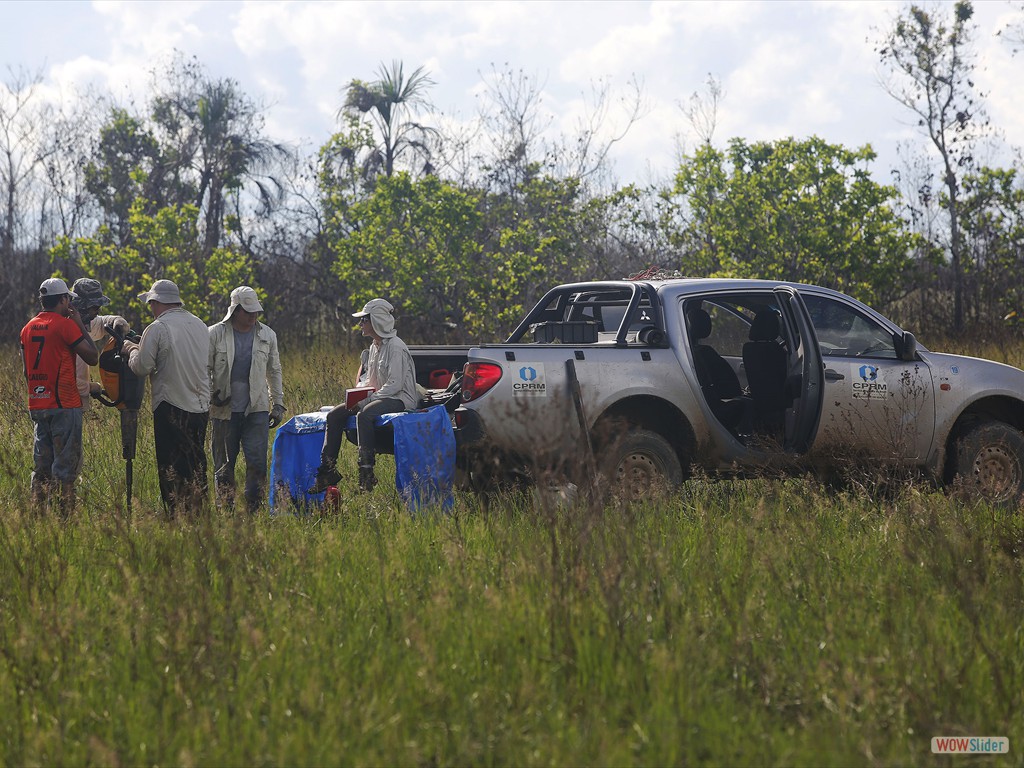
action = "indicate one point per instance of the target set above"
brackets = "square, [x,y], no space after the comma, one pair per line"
[363,320]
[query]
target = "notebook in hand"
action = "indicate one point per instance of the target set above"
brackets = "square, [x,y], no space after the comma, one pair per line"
[356,395]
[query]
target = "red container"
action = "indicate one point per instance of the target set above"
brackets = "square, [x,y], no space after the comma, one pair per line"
[440,378]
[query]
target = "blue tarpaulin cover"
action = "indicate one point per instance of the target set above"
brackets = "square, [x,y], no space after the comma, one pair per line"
[294,459]
[424,458]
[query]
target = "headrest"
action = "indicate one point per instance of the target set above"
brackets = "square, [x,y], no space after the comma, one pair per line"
[765,326]
[699,322]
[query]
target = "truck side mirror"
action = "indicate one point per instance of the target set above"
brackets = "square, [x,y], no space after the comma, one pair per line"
[906,346]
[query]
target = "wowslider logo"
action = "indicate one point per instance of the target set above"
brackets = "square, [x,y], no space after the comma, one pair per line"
[970,745]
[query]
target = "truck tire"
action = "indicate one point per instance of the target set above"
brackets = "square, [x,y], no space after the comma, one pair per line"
[989,463]
[639,464]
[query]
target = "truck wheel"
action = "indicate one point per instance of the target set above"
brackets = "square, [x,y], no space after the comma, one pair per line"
[638,465]
[990,463]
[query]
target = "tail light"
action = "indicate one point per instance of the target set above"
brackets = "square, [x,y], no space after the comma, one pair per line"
[478,379]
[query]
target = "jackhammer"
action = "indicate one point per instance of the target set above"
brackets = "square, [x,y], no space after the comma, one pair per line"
[123,390]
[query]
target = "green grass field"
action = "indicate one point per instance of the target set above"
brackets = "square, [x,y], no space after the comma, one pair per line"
[758,622]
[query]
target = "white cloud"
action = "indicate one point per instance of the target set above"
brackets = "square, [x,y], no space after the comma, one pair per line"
[788,68]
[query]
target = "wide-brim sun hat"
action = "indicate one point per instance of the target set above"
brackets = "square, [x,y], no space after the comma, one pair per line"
[163,291]
[245,297]
[89,293]
[379,311]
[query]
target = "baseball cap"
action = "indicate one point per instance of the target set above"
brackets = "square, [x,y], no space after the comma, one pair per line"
[54,286]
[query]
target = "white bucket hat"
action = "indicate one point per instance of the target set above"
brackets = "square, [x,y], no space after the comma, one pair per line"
[163,291]
[379,312]
[245,297]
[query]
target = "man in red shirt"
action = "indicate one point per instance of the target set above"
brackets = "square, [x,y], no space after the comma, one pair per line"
[49,343]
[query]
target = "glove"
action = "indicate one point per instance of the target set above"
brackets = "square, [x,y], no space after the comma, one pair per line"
[217,400]
[276,414]
[128,347]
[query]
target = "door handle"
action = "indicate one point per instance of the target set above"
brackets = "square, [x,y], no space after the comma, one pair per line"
[831,375]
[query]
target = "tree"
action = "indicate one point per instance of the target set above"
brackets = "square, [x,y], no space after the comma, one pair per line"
[212,146]
[24,151]
[390,104]
[414,242]
[800,210]
[930,66]
[993,225]
[165,244]
[1013,31]
[123,170]
[20,155]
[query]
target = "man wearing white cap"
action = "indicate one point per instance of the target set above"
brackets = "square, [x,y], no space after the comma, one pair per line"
[175,352]
[248,395]
[392,374]
[50,341]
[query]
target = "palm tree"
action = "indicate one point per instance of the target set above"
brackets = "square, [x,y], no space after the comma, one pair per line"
[390,103]
[212,138]
[232,155]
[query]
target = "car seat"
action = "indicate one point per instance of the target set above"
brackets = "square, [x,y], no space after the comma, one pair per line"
[765,361]
[717,378]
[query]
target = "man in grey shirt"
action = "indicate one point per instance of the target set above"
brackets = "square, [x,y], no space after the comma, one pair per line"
[174,352]
[248,397]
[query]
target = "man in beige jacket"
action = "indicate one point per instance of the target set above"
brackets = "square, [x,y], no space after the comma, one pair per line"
[248,396]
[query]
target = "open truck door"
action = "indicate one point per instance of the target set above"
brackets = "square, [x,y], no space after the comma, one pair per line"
[806,373]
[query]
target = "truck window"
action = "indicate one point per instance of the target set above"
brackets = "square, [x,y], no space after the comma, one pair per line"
[844,332]
[729,331]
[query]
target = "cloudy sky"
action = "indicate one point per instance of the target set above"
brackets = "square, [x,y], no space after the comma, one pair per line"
[786,68]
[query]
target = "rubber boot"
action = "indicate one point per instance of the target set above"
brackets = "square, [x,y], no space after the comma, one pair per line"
[366,478]
[326,476]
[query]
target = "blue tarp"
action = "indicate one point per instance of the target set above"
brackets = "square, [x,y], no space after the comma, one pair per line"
[424,458]
[294,459]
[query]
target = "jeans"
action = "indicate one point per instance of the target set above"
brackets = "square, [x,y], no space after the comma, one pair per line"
[250,433]
[181,457]
[57,448]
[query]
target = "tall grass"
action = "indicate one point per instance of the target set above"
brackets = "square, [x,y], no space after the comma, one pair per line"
[735,623]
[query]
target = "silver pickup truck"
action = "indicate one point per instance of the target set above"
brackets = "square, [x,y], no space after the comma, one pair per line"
[644,380]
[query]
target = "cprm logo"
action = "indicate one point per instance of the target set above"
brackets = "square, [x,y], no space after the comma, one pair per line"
[869,387]
[531,382]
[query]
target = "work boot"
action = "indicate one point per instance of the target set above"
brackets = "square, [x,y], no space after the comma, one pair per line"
[326,476]
[366,478]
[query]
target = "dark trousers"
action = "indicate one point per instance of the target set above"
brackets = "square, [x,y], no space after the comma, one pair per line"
[366,412]
[366,435]
[181,457]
